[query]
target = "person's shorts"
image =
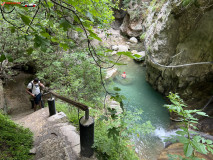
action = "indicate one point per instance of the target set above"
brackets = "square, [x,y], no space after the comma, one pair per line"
[37,99]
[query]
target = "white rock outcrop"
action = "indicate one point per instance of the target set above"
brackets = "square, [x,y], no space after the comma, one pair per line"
[123,48]
[133,40]
[111,73]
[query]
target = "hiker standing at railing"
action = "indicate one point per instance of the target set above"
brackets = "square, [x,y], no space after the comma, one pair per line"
[33,89]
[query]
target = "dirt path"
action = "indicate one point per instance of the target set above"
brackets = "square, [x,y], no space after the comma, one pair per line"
[53,138]
[17,99]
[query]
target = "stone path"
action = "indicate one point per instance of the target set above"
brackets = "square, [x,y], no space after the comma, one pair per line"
[54,137]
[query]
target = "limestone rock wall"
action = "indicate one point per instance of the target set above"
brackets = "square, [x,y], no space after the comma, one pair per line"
[131,21]
[2,99]
[180,35]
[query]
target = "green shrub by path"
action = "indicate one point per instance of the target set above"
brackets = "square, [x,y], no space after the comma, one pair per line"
[15,141]
[115,147]
[70,111]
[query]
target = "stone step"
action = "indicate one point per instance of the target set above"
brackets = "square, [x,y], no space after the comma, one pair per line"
[54,137]
[62,154]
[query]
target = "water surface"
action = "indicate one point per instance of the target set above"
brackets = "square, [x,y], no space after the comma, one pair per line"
[141,95]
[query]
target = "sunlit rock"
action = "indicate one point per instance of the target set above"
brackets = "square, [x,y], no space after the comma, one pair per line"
[133,40]
[123,48]
[111,73]
[142,55]
[115,48]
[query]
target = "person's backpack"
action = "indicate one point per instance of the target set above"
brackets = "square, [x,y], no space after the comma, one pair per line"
[32,86]
[32,101]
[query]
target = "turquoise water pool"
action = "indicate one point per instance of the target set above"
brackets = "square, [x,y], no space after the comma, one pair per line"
[141,95]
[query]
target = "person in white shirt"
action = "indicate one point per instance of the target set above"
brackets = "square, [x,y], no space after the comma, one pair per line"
[33,89]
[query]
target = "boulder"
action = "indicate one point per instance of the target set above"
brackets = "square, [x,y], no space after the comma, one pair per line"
[134,52]
[123,48]
[115,48]
[142,55]
[113,53]
[111,73]
[133,40]
[113,105]
[127,28]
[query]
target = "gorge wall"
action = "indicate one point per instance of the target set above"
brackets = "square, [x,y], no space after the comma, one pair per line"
[175,34]
[180,35]
[2,100]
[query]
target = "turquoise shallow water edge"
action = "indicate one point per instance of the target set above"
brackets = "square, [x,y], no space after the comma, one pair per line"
[141,95]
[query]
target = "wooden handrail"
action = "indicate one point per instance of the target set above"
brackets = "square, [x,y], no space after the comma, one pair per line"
[76,104]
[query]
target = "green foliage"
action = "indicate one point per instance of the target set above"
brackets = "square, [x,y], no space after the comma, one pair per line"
[126,3]
[188,2]
[128,54]
[110,145]
[25,33]
[70,111]
[113,134]
[73,73]
[112,131]
[156,5]
[143,36]
[191,140]
[15,141]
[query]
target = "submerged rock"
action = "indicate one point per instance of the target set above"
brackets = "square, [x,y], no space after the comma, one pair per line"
[115,48]
[142,55]
[126,81]
[123,48]
[133,40]
[111,73]
[134,52]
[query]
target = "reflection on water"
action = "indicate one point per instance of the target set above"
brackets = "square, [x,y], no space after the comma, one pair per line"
[141,95]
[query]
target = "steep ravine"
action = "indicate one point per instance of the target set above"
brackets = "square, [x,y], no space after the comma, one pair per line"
[174,34]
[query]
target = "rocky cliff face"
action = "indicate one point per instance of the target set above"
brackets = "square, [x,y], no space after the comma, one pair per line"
[2,100]
[130,21]
[176,35]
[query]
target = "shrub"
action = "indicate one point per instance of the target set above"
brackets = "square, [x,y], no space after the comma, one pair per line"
[15,141]
[191,140]
[112,141]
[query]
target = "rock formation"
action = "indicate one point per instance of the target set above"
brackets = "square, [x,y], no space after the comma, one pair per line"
[132,22]
[2,100]
[177,35]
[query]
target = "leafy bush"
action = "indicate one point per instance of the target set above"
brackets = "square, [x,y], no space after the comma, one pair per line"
[15,141]
[74,73]
[112,135]
[70,111]
[143,36]
[187,2]
[192,141]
